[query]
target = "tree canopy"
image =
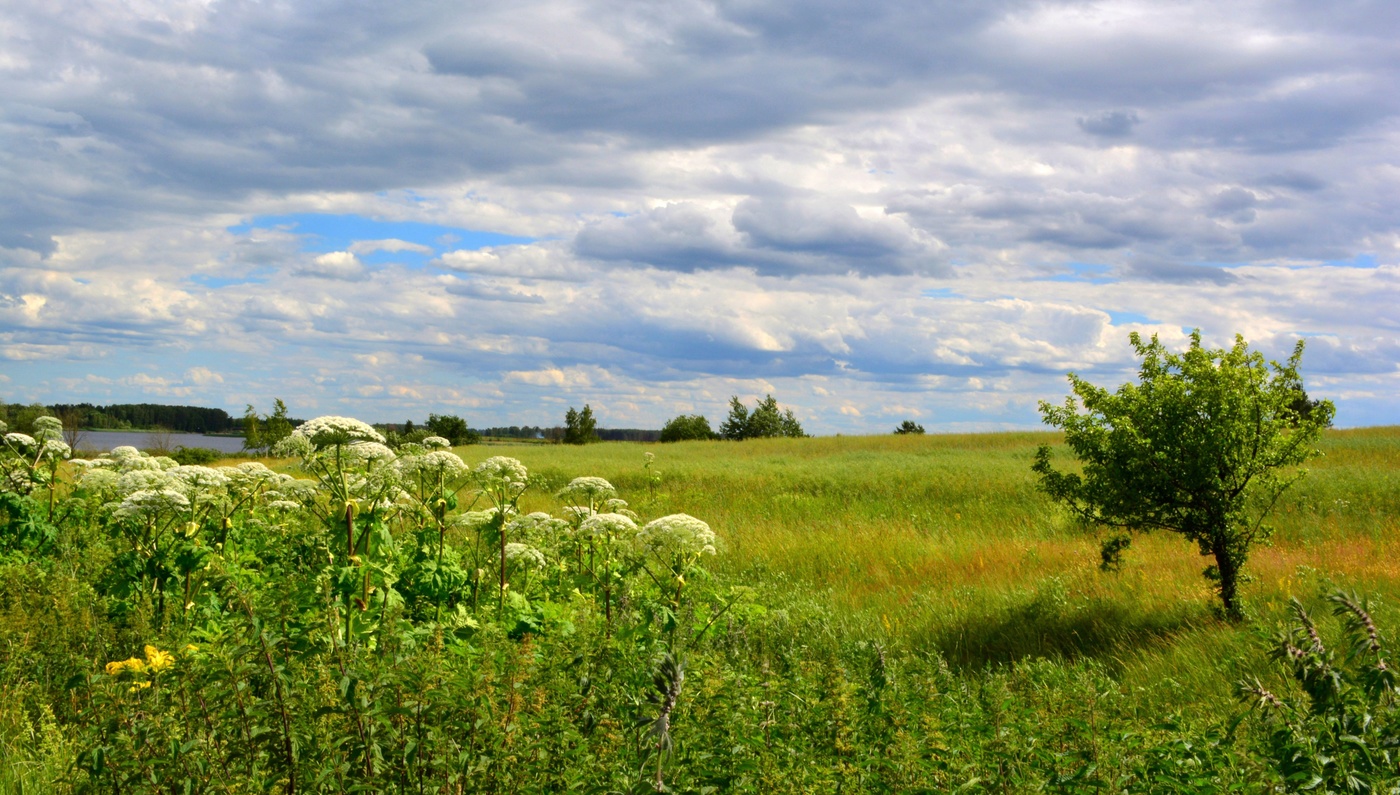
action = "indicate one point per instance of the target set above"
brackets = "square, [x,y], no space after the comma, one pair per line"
[687,427]
[1202,445]
[579,426]
[765,420]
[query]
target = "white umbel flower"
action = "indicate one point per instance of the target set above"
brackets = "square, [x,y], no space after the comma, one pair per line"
[23,441]
[587,489]
[525,556]
[609,527]
[499,469]
[200,477]
[328,431]
[437,442]
[150,503]
[437,462]
[370,451]
[676,536]
[48,429]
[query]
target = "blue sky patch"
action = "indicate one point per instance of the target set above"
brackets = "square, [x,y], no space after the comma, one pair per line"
[215,282]
[1081,272]
[941,292]
[1121,318]
[1359,261]
[408,242]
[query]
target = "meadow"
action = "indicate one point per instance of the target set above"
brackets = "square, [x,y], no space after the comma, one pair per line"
[883,614]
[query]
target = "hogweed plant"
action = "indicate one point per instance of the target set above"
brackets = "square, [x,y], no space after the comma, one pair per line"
[610,542]
[30,463]
[670,548]
[360,489]
[502,480]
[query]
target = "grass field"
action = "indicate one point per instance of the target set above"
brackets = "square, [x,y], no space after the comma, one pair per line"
[944,541]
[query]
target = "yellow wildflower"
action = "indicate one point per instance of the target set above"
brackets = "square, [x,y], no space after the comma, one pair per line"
[134,664]
[158,660]
[114,668]
[190,648]
[138,686]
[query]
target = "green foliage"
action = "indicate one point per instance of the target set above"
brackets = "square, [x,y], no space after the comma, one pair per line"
[121,416]
[202,456]
[579,426]
[452,428]
[262,433]
[1345,735]
[764,421]
[20,418]
[1203,445]
[908,427]
[687,427]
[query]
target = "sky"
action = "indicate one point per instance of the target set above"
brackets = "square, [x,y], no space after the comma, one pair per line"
[914,209]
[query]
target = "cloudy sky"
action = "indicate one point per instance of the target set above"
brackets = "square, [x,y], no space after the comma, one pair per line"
[914,209]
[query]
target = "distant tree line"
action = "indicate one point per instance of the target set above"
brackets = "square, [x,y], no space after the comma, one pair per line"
[123,416]
[455,429]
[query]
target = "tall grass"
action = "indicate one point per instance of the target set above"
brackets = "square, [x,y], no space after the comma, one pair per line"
[943,541]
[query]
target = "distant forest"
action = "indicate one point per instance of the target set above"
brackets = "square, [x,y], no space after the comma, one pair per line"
[199,419]
[121,416]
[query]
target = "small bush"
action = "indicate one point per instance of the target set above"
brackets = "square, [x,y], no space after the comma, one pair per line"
[687,427]
[201,456]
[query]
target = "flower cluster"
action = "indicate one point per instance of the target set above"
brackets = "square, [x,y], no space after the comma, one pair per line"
[156,662]
[676,540]
[501,470]
[587,491]
[330,431]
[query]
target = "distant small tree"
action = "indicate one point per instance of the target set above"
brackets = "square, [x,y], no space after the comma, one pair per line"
[736,425]
[909,426]
[278,425]
[452,428]
[261,433]
[73,433]
[766,420]
[687,427]
[1201,445]
[252,430]
[579,426]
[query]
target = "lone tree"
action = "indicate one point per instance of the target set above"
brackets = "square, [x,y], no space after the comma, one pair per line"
[579,426]
[909,426]
[1203,445]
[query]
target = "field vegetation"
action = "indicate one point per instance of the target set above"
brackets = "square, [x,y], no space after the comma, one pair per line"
[900,613]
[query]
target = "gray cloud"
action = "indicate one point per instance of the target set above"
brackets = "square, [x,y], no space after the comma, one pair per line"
[1177,272]
[775,236]
[1110,123]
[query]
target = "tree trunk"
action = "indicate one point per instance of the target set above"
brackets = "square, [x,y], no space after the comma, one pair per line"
[1227,565]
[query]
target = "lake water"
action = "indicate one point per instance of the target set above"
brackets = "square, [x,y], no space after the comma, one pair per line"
[105,440]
